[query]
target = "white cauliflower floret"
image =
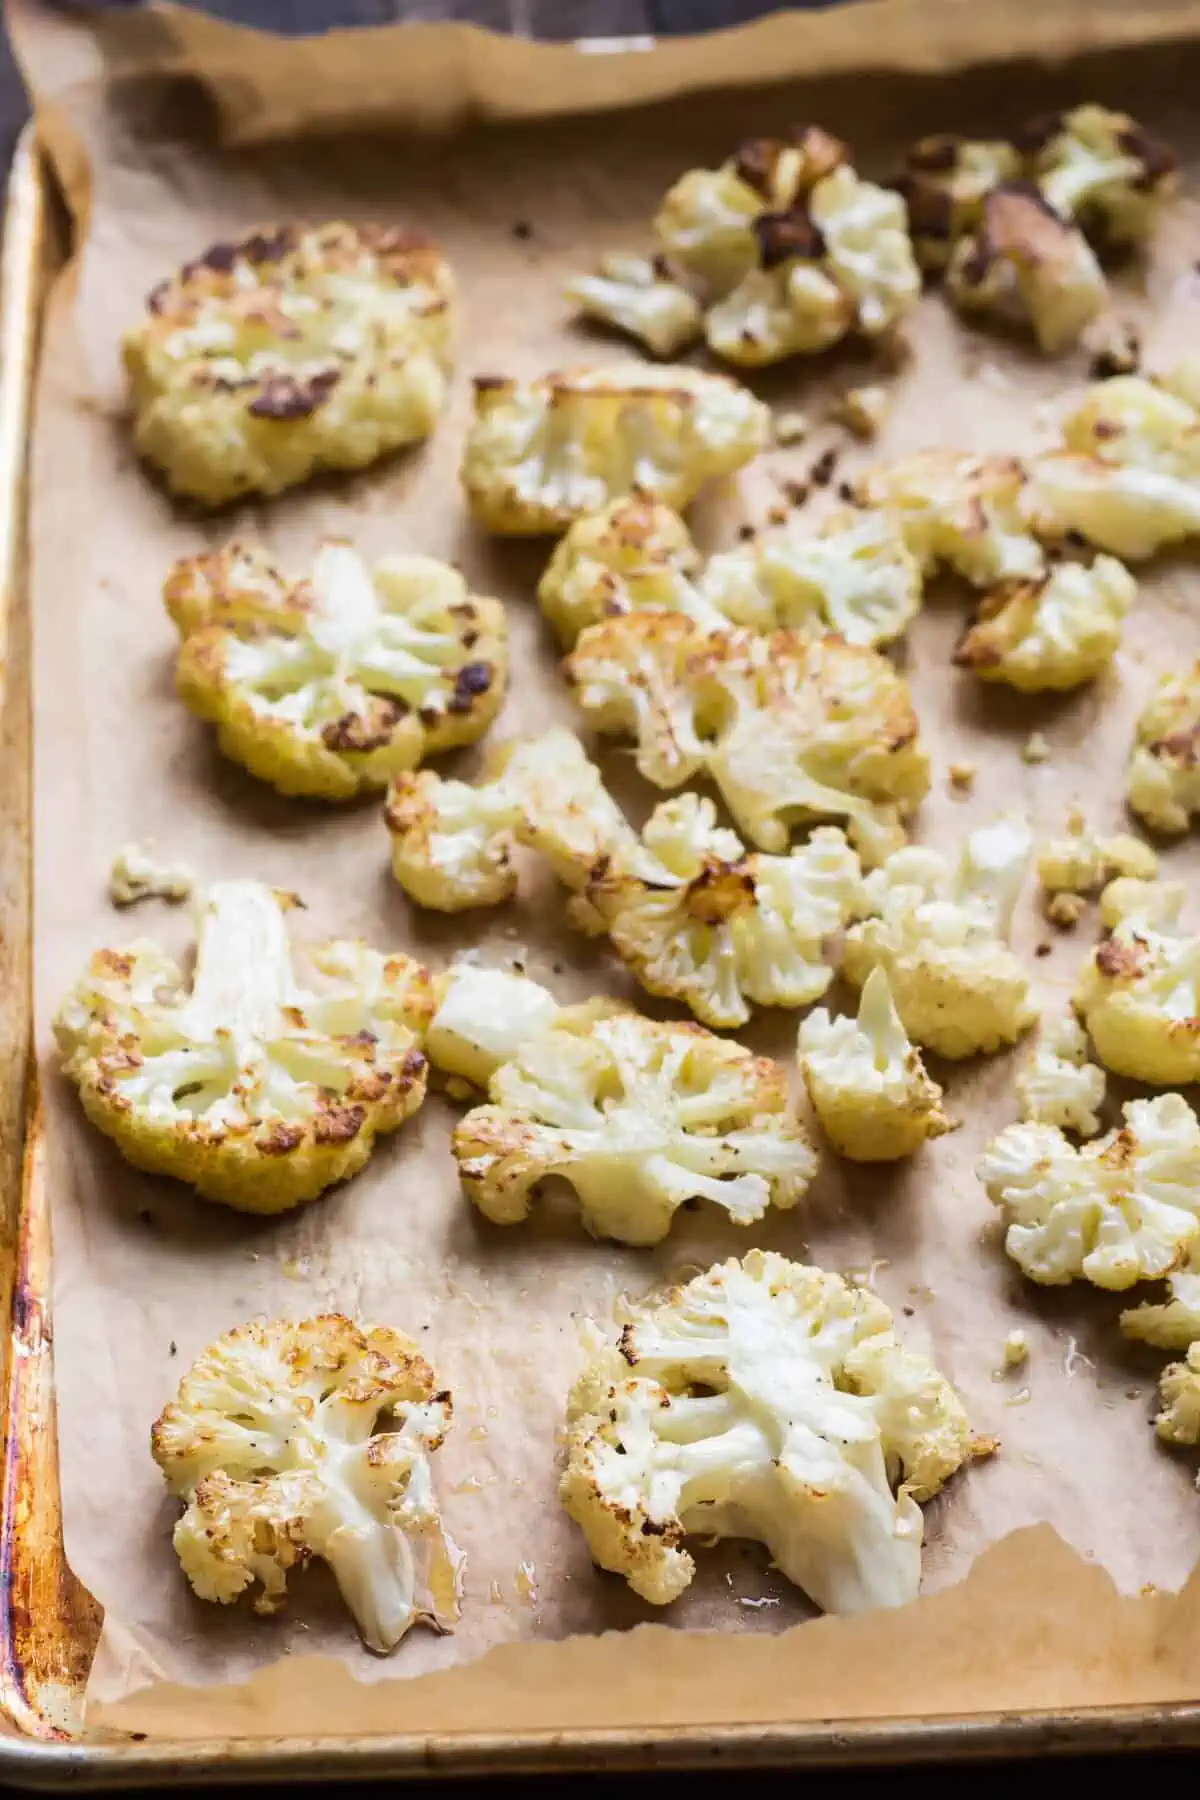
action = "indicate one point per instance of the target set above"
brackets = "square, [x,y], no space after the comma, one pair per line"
[1162,783]
[638,1117]
[138,874]
[290,1441]
[290,352]
[790,729]
[1179,1386]
[867,1082]
[1173,1324]
[706,221]
[1139,991]
[482,1017]
[330,685]
[937,930]
[1121,1210]
[1057,1084]
[257,1089]
[867,248]
[1101,169]
[855,576]
[961,511]
[717,928]
[1053,633]
[764,1400]
[542,453]
[945,183]
[639,297]
[1084,861]
[1027,266]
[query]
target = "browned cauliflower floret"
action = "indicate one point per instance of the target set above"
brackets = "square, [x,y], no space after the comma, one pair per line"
[639,1117]
[768,1400]
[1028,266]
[635,555]
[290,352]
[1053,633]
[256,1089]
[642,298]
[1102,170]
[945,183]
[1163,778]
[791,729]
[290,1441]
[961,511]
[329,685]
[1139,992]
[542,453]
[1084,861]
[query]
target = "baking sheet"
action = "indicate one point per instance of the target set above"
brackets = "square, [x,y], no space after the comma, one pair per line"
[146,1276]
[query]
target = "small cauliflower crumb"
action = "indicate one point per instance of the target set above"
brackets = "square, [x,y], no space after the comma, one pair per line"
[1083,861]
[1036,748]
[791,427]
[1114,348]
[1065,910]
[1058,1085]
[864,410]
[137,874]
[962,775]
[1015,1351]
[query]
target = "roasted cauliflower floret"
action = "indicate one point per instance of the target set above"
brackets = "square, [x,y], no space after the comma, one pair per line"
[289,352]
[482,1017]
[1101,169]
[1173,1324]
[540,454]
[961,511]
[638,1117]
[1179,1386]
[138,873]
[1123,1209]
[1083,862]
[938,929]
[1163,778]
[1028,267]
[290,1441]
[1057,1084]
[641,298]
[766,1400]
[1053,633]
[706,222]
[791,729]
[258,1090]
[944,185]
[1139,991]
[867,1082]
[717,928]
[328,686]
[634,555]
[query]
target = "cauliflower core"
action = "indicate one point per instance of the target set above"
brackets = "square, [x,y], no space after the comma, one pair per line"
[938,932]
[639,297]
[1053,633]
[638,1117]
[866,1081]
[764,1400]
[1139,991]
[540,454]
[290,1441]
[961,512]
[854,577]
[328,686]
[290,352]
[257,1090]
[1057,1085]
[790,729]
[1163,778]
[1123,1209]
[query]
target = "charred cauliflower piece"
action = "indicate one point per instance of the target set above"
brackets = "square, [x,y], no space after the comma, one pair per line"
[1057,1084]
[938,930]
[961,512]
[290,1441]
[791,729]
[838,261]
[1128,478]
[1123,1209]
[766,1400]
[1139,991]
[540,454]
[328,686]
[1163,778]
[290,352]
[635,555]
[638,1117]
[706,222]
[867,1082]
[256,1089]
[1102,170]
[640,297]
[1083,862]
[1029,267]
[482,1017]
[944,185]
[1054,633]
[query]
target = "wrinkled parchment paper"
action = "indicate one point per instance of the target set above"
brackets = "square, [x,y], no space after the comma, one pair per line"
[147,1275]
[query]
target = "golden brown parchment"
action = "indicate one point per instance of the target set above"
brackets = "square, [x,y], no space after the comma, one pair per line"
[146,1275]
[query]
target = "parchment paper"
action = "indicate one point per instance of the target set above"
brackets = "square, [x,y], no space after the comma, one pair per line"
[146,1275]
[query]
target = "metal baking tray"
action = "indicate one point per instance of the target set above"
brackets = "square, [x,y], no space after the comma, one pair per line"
[49,1624]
